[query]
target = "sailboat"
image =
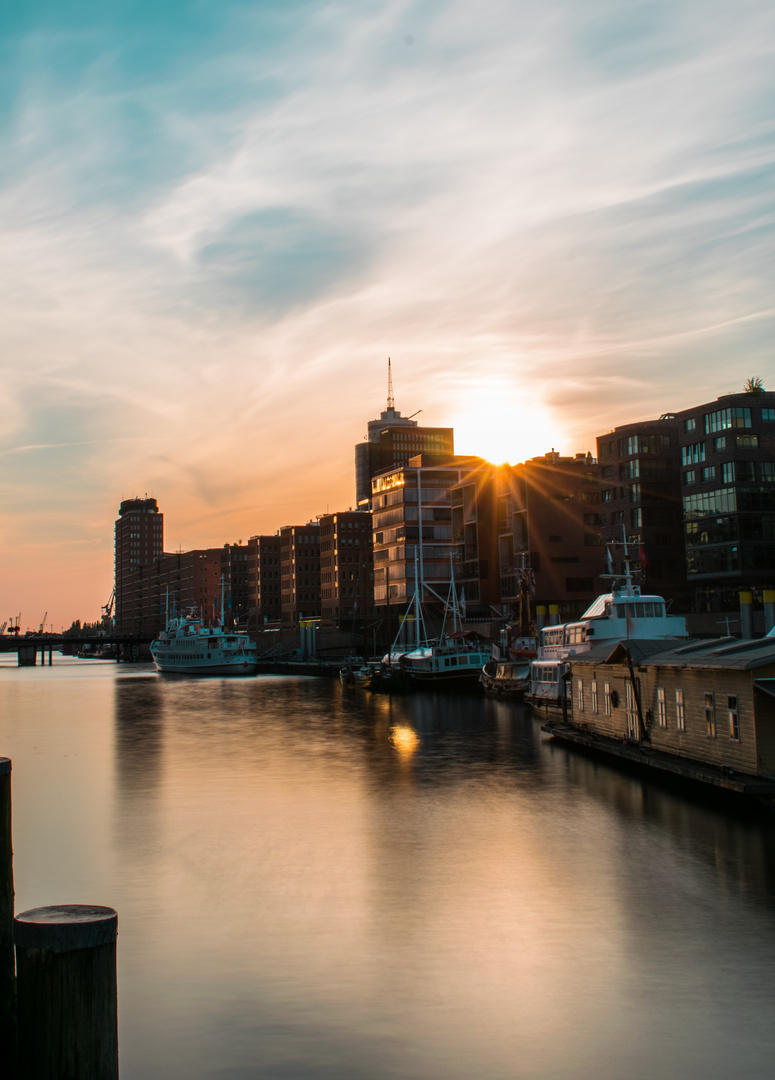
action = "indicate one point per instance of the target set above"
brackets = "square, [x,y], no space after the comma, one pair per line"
[452,662]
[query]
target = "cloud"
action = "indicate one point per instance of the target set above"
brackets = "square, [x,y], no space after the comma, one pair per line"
[217,222]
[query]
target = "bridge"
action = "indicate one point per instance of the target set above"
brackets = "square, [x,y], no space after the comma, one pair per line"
[129,647]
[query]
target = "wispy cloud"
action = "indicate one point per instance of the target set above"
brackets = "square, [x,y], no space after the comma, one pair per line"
[216,222]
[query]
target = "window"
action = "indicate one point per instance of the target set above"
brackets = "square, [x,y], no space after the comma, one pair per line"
[680,715]
[693,454]
[608,472]
[635,493]
[727,418]
[607,699]
[768,472]
[707,503]
[719,444]
[580,694]
[728,472]
[734,721]
[593,690]
[632,712]
[747,442]
[661,707]
[768,416]
[690,477]
[690,425]
[710,716]
[709,473]
[636,518]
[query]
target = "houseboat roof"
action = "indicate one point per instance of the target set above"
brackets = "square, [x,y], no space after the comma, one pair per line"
[727,652]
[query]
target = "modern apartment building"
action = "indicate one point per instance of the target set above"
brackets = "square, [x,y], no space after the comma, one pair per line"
[727,475]
[346,569]
[412,526]
[139,539]
[694,492]
[299,573]
[640,500]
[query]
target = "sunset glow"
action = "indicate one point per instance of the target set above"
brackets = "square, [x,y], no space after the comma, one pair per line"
[554,221]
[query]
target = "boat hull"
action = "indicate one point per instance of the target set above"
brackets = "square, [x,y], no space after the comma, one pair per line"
[245,668]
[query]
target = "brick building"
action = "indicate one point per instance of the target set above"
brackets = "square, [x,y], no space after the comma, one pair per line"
[548,511]
[299,573]
[264,581]
[346,569]
[139,539]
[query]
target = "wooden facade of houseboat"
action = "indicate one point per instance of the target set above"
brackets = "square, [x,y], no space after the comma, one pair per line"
[709,704]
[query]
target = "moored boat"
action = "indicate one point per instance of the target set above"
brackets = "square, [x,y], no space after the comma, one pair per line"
[507,678]
[620,615]
[187,647]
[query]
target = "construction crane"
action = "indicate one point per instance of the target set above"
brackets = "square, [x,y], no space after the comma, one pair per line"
[14,628]
[2,628]
[43,623]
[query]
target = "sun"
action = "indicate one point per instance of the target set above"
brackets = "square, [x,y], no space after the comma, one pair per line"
[506,431]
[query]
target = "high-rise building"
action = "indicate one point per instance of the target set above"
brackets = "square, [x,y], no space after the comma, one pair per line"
[346,568]
[139,540]
[393,439]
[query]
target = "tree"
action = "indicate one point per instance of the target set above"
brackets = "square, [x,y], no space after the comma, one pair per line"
[754,386]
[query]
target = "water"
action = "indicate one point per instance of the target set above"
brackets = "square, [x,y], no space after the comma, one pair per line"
[313,882]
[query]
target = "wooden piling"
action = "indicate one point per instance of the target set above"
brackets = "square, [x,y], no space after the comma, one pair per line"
[66,993]
[7,974]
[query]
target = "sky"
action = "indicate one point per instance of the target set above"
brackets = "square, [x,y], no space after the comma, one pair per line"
[218,221]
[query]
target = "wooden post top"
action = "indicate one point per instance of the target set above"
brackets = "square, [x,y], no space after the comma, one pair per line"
[64,927]
[5,765]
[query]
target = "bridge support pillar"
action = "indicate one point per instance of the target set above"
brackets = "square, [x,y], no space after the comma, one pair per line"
[27,655]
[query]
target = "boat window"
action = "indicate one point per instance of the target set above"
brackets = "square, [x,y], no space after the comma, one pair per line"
[621,611]
[648,610]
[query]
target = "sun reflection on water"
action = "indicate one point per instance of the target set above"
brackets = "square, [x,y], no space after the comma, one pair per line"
[405,740]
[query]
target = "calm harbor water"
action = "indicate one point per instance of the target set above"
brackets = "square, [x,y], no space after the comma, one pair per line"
[313,882]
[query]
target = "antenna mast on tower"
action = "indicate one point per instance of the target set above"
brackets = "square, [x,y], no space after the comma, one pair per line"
[390,402]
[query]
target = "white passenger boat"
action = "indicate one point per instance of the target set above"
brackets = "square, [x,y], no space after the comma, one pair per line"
[188,647]
[620,615]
